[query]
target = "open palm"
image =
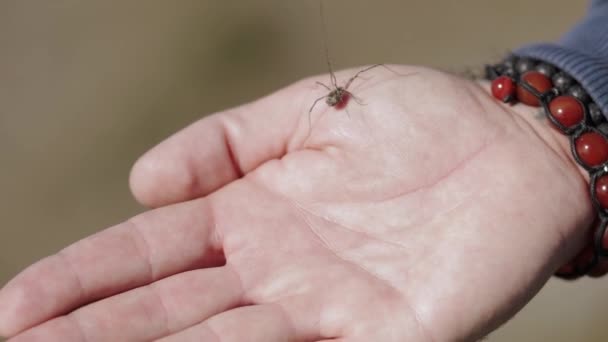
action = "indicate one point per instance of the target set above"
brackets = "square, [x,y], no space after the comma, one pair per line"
[431,213]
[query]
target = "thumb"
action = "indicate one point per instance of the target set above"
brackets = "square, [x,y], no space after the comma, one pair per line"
[218,149]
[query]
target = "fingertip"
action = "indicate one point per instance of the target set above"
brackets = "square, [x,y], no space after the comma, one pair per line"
[150,174]
[190,164]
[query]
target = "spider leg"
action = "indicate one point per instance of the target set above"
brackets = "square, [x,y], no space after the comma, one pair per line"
[357,99]
[492,72]
[358,74]
[324,85]
[394,72]
[347,112]
[310,111]
[350,81]
[334,81]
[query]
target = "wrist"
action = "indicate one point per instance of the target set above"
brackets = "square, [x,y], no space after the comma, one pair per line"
[571,124]
[534,119]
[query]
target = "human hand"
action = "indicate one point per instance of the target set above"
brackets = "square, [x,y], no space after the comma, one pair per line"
[432,213]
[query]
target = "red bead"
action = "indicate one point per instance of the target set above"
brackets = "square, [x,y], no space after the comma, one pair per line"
[600,270]
[585,258]
[592,148]
[566,270]
[539,82]
[503,88]
[601,191]
[567,110]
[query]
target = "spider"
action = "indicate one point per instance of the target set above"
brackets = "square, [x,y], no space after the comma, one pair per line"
[338,96]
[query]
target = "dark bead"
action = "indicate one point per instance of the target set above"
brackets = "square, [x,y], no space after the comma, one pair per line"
[546,69]
[562,81]
[524,64]
[510,62]
[603,127]
[567,110]
[509,72]
[492,71]
[596,114]
[578,92]
[592,149]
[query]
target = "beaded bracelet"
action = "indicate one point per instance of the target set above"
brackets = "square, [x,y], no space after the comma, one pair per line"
[571,110]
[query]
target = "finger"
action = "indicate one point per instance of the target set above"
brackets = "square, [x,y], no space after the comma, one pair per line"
[264,323]
[142,250]
[217,149]
[153,311]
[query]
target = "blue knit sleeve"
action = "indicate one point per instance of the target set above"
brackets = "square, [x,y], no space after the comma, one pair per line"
[582,52]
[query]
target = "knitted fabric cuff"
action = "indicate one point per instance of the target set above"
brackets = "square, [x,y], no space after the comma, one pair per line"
[582,53]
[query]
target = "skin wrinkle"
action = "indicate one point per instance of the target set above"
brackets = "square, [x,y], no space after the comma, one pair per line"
[234,164]
[430,253]
[343,226]
[215,239]
[386,282]
[427,220]
[230,130]
[433,184]
[526,126]
[75,316]
[379,278]
[194,182]
[427,187]
[212,331]
[73,270]
[422,326]
[239,302]
[291,322]
[167,330]
[291,144]
[76,322]
[328,246]
[375,142]
[283,313]
[145,252]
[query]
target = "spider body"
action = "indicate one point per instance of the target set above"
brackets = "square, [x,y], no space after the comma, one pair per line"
[338,98]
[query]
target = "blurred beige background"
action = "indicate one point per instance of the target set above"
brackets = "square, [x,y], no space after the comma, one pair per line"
[87,86]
